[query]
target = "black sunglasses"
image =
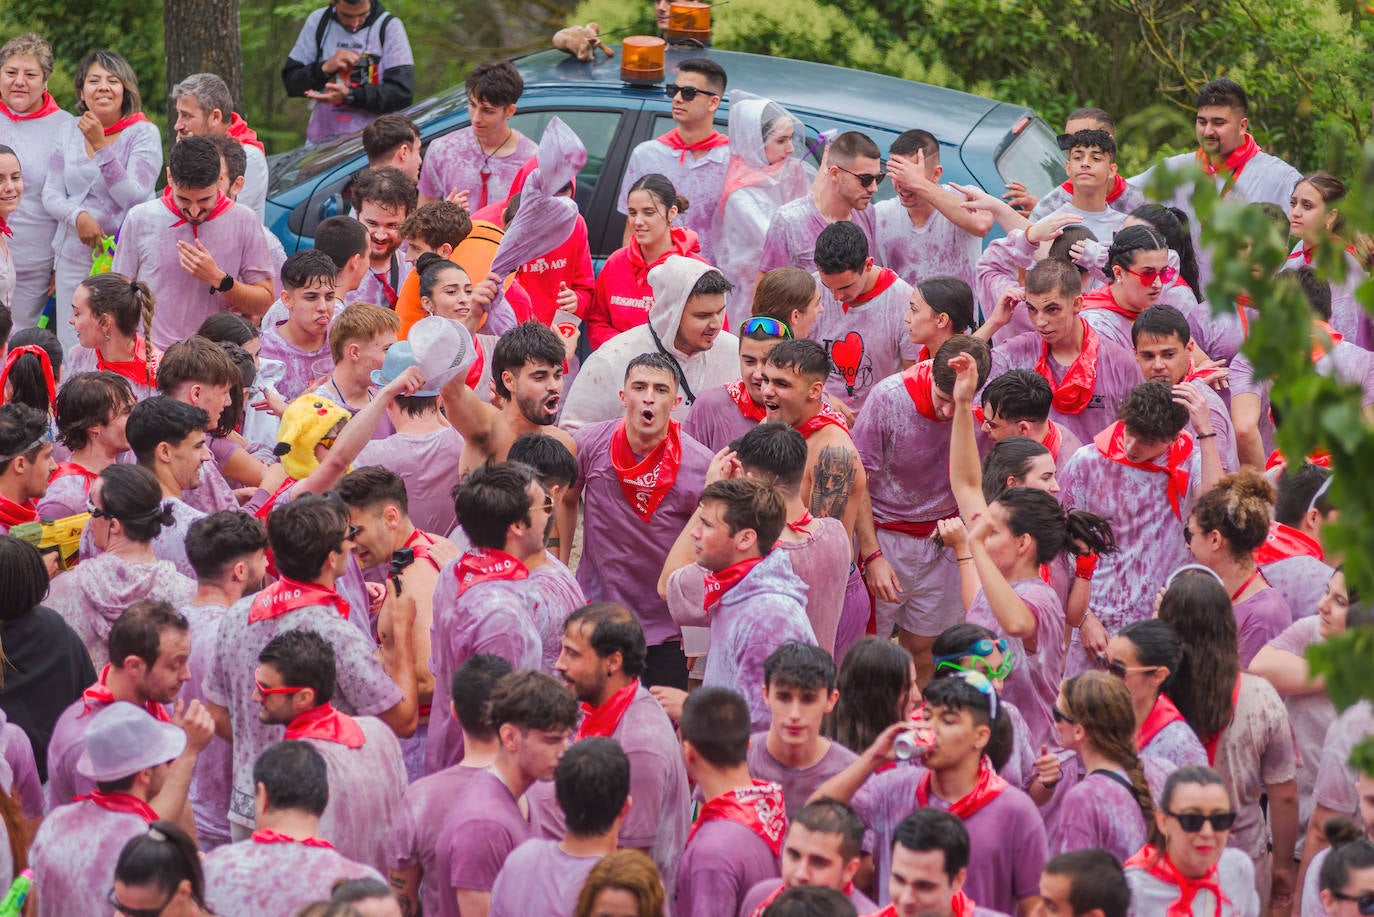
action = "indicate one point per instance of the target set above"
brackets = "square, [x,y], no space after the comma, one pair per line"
[865,178]
[1193,822]
[689,93]
[113,901]
[1363,903]
[1062,717]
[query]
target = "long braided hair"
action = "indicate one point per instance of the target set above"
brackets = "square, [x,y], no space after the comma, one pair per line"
[1101,704]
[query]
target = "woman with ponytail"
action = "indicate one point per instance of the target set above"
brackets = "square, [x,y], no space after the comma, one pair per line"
[1313,218]
[1138,272]
[113,319]
[1110,805]
[1145,655]
[32,369]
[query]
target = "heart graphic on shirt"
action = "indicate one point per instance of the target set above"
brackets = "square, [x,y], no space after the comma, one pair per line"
[846,356]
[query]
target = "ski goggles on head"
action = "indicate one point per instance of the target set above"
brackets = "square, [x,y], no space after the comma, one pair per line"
[766,324]
[980,649]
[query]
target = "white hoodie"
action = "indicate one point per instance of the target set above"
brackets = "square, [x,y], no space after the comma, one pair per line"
[595,394]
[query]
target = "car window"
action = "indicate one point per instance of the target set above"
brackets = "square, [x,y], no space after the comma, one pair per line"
[1034,159]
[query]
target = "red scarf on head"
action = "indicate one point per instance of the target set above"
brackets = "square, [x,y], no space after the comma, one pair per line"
[1102,298]
[268,836]
[139,370]
[327,724]
[121,802]
[240,131]
[47,107]
[69,468]
[717,584]
[739,394]
[99,694]
[1118,188]
[988,788]
[647,481]
[826,417]
[1161,714]
[12,513]
[1054,439]
[918,380]
[673,141]
[1073,394]
[1283,542]
[1156,863]
[603,721]
[759,808]
[222,203]
[125,122]
[800,523]
[287,595]
[43,361]
[1319,348]
[886,278]
[1235,162]
[1110,443]
[485,565]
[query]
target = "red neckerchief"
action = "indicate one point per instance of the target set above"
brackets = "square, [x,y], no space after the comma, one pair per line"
[989,786]
[1195,374]
[1319,348]
[47,107]
[1073,394]
[327,724]
[43,361]
[268,836]
[1046,573]
[673,141]
[1161,714]
[222,203]
[387,289]
[826,417]
[126,121]
[5,229]
[1243,302]
[1305,252]
[1318,457]
[1212,742]
[739,394]
[1118,188]
[1109,443]
[800,523]
[1246,585]
[1054,439]
[886,278]
[1283,542]
[759,808]
[99,694]
[240,131]
[1102,298]
[12,513]
[69,468]
[287,595]
[918,379]
[603,721]
[717,584]
[1156,863]
[474,375]
[961,905]
[483,565]
[647,481]
[266,509]
[1235,162]
[138,370]
[421,547]
[121,802]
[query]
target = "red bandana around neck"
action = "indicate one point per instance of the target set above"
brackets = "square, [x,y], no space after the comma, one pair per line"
[1319,345]
[327,724]
[44,362]
[287,595]
[1119,185]
[647,481]
[474,375]
[739,394]
[1102,298]
[673,140]
[240,131]
[138,370]
[125,122]
[717,584]
[1073,394]
[268,836]
[759,808]
[1054,439]
[826,417]
[1234,164]
[47,107]
[988,788]
[222,203]
[1284,542]
[98,693]
[485,565]
[800,523]
[69,468]
[1110,443]
[1156,863]
[12,513]
[961,905]
[602,722]
[1162,714]
[5,229]
[919,380]
[123,803]
[886,278]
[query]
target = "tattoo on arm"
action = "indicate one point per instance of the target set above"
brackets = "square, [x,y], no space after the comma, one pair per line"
[833,483]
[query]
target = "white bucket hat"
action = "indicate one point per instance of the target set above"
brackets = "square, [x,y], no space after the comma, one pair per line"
[124,739]
[442,349]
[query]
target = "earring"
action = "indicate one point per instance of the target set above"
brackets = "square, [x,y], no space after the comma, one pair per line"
[107,337]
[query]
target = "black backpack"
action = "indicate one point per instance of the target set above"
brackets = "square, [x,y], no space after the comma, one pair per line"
[384,20]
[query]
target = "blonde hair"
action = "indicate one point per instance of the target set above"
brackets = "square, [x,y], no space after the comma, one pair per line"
[631,871]
[361,321]
[781,291]
[1239,507]
[1101,704]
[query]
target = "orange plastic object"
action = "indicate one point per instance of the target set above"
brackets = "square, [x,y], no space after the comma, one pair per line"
[688,21]
[474,255]
[641,59]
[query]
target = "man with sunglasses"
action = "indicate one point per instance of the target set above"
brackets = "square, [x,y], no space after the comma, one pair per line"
[26,464]
[853,172]
[294,684]
[693,155]
[725,413]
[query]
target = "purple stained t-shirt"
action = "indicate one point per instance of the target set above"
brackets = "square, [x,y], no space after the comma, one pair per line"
[428,463]
[17,751]
[715,421]
[214,774]
[822,560]
[866,342]
[559,597]
[1259,619]
[1301,580]
[1334,788]
[722,862]
[916,253]
[414,833]
[539,878]
[1099,811]
[1033,683]
[301,367]
[365,789]
[73,858]
[1177,744]
[455,162]
[700,181]
[798,783]
[256,878]
[621,554]
[792,233]
[484,826]
[1256,751]
[1310,714]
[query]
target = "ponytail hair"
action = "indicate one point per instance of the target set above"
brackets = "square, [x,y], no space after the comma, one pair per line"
[662,191]
[1197,608]
[950,296]
[1101,704]
[1239,507]
[1131,240]
[429,266]
[128,303]
[1037,514]
[1172,223]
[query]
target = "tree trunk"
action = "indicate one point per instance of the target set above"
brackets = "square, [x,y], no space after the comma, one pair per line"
[202,36]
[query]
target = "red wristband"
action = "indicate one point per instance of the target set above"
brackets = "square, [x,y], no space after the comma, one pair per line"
[1085,565]
[872,557]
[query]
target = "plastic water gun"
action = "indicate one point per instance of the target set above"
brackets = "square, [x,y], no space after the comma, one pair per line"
[102,261]
[13,905]
[59,536]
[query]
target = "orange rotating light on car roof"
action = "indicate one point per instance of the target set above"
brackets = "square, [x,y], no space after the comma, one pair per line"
[641,60]
[688,21]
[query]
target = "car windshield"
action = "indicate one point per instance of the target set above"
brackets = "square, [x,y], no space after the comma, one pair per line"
[1034,159]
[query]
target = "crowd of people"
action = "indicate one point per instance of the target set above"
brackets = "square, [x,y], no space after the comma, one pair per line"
[813,557]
